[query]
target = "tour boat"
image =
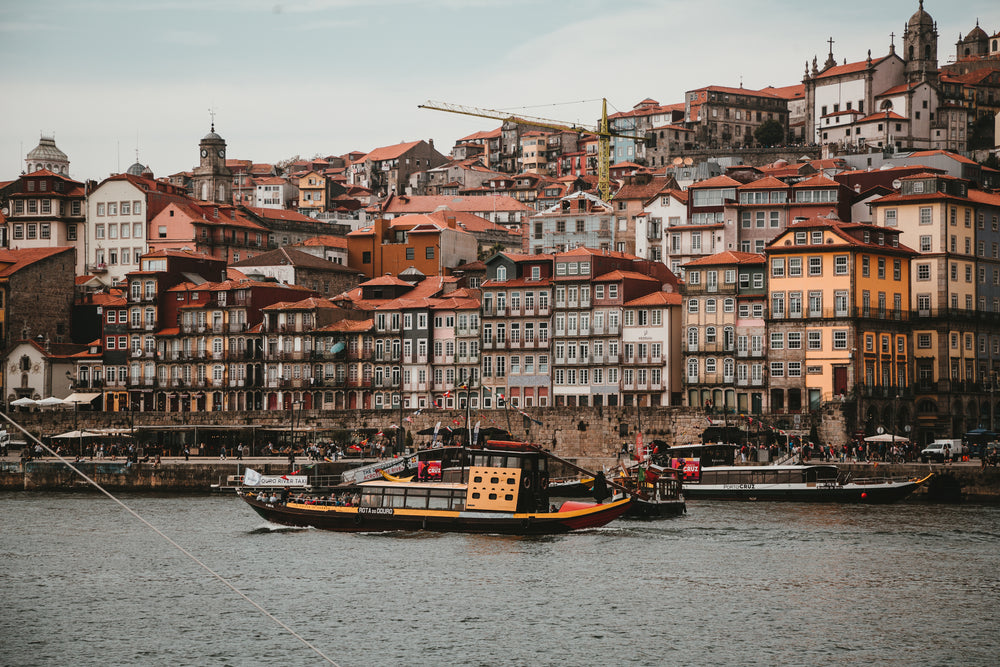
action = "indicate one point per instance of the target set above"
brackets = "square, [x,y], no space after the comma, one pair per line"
[704,477]
[657,492]
[499,488]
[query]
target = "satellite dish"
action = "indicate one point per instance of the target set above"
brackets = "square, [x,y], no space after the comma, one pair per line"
[678,161]
[880,430]
[688,161]
[5,210]
[896,184]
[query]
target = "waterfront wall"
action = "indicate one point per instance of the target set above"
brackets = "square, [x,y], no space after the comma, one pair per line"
[588,433]
[950,483]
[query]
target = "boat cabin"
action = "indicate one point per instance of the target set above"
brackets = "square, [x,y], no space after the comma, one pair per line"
[770,475]
[501,477]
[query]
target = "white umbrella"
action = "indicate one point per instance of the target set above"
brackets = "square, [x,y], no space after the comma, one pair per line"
[50,402]
[24,402]
[887,437]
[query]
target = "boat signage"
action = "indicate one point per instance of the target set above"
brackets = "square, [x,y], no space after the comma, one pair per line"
[253,478]
[690,470]
[374,471]
[386,511]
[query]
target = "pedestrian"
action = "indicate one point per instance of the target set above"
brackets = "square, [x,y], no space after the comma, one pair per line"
[187,453]
[239,452]
[222,453]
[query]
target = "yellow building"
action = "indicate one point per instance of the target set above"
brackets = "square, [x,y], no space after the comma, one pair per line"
[838,318]
[955,297]
[312,192]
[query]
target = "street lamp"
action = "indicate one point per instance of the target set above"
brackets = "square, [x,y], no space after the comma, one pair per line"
[76,412]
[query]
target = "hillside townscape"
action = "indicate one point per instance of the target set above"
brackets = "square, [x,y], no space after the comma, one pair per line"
[825,250]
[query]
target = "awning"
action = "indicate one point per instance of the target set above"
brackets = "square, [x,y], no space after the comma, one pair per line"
[80,398]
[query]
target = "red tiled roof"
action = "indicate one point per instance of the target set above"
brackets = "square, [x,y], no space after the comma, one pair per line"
[849,68]
[716,182]
[728,257]
[766,183]
[659,298]
[12,261]
[388,152]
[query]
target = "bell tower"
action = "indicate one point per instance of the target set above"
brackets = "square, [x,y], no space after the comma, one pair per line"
[920,46]
[212,179]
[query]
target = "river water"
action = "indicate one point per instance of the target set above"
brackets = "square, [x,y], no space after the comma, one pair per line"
[83,582]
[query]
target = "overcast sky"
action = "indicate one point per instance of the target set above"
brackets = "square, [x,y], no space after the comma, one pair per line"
[322,77]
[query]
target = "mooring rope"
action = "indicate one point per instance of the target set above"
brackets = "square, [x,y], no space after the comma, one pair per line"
[166,537]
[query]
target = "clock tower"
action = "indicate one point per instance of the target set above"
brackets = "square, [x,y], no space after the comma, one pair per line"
[212,180]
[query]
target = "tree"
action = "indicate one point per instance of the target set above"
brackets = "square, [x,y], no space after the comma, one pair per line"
[769,133]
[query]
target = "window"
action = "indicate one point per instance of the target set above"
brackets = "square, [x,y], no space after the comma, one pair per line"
[777,267]
[890,217]
[840,266]
[429,252]
[814,340]
[840,339]
[923,271]
[777,369]
[815,266]
[925,243]
[794,267]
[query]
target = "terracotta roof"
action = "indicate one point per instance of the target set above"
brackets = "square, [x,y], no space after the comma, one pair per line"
[849,68]
[797,91]
[768,182]
[12,261]
[350,326]
[953,156]
[817,181]
[325,240]
[289,256]
[659,298]
[384,280]
[279,214]
[721,181]
[388,152]
[728,257]
[428,203]
[619,274]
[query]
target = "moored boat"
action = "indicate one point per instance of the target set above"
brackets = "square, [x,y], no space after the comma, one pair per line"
[658,492]
[797,482]
[500,488]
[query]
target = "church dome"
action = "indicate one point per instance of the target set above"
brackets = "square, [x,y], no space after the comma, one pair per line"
[46,150]
[920,19]
[136,169]
[976,35]
[212,136]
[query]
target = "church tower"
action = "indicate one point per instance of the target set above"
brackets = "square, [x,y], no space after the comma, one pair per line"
[920,47]
[212,179]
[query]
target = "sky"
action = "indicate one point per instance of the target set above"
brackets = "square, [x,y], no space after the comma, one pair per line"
[109,78]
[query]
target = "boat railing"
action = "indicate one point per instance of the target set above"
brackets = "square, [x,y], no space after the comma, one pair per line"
[846,477]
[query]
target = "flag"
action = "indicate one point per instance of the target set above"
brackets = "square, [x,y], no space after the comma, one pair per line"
[437,427]
[379,434]
[529,417]
[456,421]
[475,437]
[464,385]
[251,477]
[408,419]
[447,394]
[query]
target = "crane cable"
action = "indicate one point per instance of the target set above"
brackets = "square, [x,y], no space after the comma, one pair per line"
[177,546]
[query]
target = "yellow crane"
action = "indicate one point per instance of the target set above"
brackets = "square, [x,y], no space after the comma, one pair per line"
[601,131]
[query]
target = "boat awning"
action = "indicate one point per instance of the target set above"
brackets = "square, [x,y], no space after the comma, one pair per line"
[80,398]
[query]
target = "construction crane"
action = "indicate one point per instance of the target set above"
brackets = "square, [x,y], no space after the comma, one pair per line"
[601,131]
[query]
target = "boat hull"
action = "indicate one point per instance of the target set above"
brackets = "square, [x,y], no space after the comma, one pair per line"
[362,519]
[643,509]
[846,493]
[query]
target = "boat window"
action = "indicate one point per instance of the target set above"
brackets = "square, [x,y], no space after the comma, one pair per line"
[394,498]
[371,498]
[416,498]
[440,499]
[498,461]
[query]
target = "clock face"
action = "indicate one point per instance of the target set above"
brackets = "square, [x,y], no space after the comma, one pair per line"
[222,153]
[204,153]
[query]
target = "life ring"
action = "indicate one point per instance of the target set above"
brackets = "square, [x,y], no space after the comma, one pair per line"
[544,481]
[526,481]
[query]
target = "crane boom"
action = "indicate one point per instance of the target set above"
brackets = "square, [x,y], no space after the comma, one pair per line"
[601,131]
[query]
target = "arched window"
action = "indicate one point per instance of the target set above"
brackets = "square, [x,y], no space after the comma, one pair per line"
[501,273]
[910,56]
[692,369]
[927,51]
[693,339]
